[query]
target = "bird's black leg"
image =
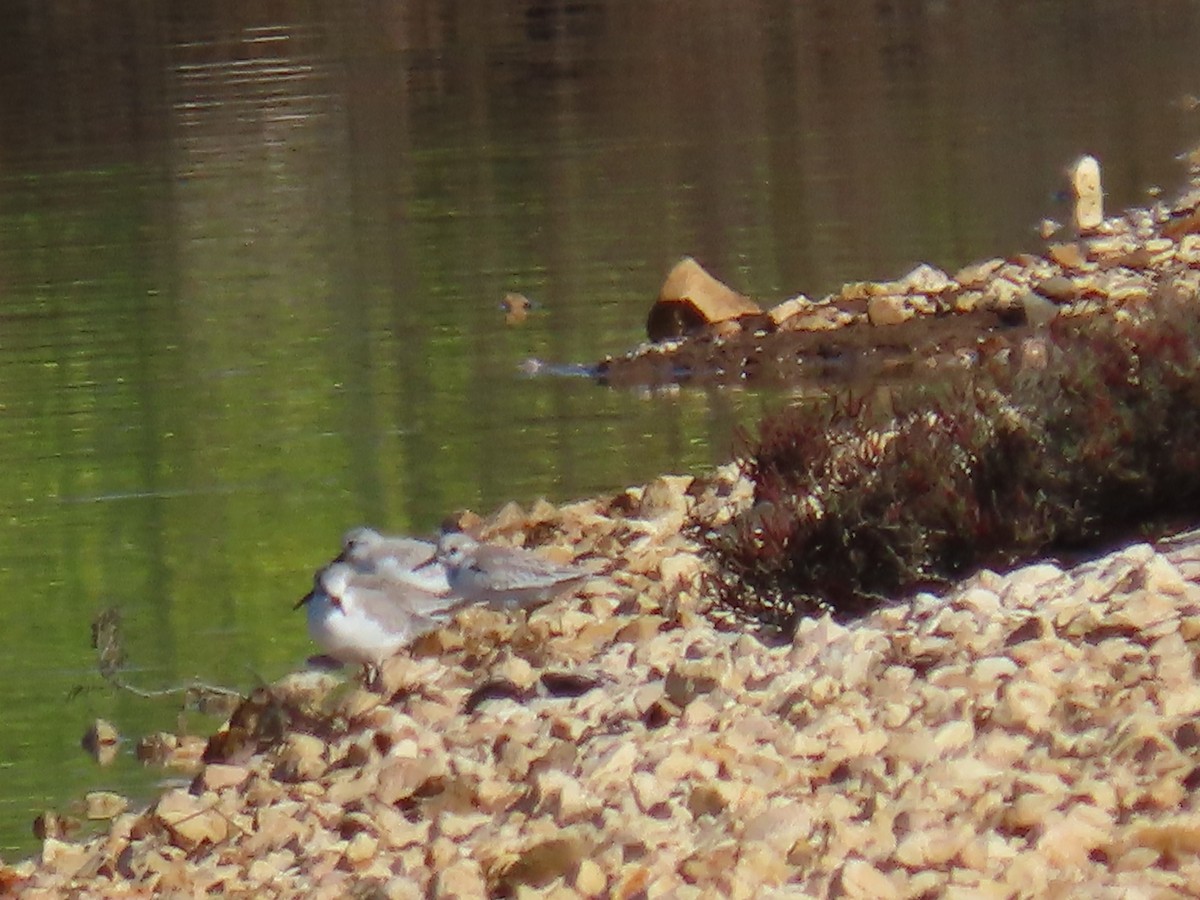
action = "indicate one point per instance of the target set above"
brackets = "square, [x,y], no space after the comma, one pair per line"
[372,677]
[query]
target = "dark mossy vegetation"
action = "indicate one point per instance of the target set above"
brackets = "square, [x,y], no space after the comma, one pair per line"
[1085,432]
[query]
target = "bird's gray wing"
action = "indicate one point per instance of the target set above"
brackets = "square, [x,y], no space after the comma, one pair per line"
[393,602]
[379,552]
[507,569]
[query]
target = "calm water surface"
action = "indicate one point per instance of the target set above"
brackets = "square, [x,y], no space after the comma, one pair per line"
[251,260]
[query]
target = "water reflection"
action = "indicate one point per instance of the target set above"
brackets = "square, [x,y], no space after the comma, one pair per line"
[251,256]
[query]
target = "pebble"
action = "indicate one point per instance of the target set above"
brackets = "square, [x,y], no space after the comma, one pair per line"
[104,804]
[101,740]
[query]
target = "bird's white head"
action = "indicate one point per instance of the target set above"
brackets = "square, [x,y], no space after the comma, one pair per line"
[359,539]
[454,549]
[334,581]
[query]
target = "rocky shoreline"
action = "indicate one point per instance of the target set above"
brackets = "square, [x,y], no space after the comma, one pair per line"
[704,333]
[1030,733]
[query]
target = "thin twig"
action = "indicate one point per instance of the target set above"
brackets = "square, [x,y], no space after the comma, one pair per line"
[110,659]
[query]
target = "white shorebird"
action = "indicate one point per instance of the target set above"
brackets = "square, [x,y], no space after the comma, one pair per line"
[367,617]
[502,577]
[403,559]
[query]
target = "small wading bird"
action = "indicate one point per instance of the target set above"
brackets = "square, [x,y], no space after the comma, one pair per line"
[382,593]
[401,558]
[366,617]
[503,577]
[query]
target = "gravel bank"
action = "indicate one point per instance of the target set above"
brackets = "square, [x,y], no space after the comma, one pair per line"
[1032,734]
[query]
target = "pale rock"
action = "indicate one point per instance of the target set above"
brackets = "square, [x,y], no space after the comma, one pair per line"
[889,310]
[658,651]
[1189,250]
[915,746]
[780,827]
[276,826]
[357,705]
[191,820]
[1026,581]
[1135,859]
[349,786]
[977,274]
[457,826]
[1181,701]
[759,867]
[827,318]
[218,776]
[399,776]
[923,884]
[966,301]
[979,888]
[699,714]
[1129,291]
[1165,793]
[156,748]
[991,669]
[1026,704]
[895,715]
[517,670]
[793,306]
[916,849]
[462,878]
[63,857]
[665,497]
[860,290]
[561,794]
[1070,255]
[967,773]
[1176,835]
[590,880]
[101,740]
[1068,838]
[925,279]
[361,848]
[679,764]
[1031,808]
[680,570]
[979,600]
[953,736]
[104,804]
[861,879]
[262,872]
[1084,176]
[495,794]
[301,758]
[1002,294]
[1146,610]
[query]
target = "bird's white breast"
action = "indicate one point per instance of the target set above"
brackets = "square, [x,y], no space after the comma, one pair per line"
[349,635]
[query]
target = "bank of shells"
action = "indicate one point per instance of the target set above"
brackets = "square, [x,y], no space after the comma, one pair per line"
[1025,735]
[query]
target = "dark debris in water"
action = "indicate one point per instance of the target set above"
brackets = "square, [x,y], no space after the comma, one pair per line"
[795,358]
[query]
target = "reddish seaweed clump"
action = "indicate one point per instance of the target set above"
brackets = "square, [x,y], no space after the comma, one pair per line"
[1089,430]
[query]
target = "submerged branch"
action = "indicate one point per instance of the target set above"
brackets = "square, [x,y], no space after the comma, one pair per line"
[110,661]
